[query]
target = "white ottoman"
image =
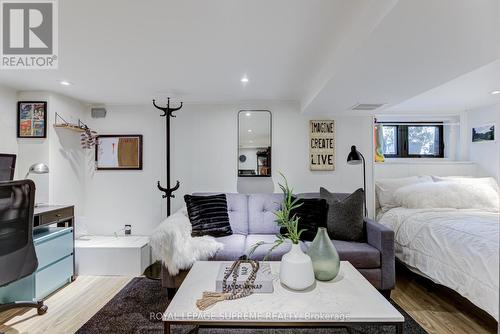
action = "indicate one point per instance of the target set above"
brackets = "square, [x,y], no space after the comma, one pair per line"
[112,256]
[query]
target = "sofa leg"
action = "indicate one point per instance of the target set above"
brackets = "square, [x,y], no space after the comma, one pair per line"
[386,293]
[171,292]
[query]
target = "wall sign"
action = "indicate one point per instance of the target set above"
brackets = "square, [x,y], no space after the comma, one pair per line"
[322,145]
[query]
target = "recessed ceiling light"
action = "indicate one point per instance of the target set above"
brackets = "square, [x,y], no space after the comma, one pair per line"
[495,92]
[249,130]
[65,83]
[244,79]
[248,114]
[250,141]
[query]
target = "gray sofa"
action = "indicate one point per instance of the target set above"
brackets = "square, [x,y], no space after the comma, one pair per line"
[252,220]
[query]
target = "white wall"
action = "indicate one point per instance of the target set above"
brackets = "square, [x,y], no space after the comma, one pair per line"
[34,150]
[60,151]
[208,134]
[485,154]
[8,105]
[66,157]
[116,198]
[204,158]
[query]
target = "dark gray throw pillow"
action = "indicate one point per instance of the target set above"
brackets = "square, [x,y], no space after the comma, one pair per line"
[345,216]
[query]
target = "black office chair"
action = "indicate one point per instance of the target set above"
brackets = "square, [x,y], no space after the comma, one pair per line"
[17,251]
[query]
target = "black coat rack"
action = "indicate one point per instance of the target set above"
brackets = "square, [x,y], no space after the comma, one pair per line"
[168,191]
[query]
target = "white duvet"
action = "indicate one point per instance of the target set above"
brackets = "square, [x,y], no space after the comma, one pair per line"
[457,248]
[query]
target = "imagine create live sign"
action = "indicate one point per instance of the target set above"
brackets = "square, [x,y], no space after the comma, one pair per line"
[322,145]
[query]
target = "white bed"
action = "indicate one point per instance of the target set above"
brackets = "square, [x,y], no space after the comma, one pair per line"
[458,248]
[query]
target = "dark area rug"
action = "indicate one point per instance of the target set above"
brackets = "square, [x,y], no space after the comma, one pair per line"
[138,307]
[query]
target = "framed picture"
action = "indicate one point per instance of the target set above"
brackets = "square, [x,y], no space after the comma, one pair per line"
[32,119]
[483,133]
[322,145]
[118,152]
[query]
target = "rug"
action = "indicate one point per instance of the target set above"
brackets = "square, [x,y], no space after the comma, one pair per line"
[138,307]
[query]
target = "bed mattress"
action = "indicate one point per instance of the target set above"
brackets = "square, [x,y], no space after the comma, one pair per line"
[456,248]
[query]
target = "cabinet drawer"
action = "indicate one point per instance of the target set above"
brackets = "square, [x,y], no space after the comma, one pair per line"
[18,290]
[53,277]
[56,216]
[53,249]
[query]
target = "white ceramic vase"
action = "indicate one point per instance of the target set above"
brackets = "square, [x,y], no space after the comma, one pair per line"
[296,269]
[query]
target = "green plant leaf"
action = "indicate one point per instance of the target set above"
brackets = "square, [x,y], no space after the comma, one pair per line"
[276,244]
[253,248]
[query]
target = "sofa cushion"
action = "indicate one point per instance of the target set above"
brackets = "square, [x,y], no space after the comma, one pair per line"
[237,209]
[261,209]
[359,254]
[262,251]
[208,215]
[234,247]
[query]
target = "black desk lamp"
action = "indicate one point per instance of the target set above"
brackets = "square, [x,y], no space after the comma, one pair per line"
[355,158]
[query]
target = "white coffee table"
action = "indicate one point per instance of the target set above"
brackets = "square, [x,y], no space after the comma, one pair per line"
[347,300]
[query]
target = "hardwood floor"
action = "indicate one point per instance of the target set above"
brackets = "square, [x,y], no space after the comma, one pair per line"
[434,308]
[438,309]
[69,308]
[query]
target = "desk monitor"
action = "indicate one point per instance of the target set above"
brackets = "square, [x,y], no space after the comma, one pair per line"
[7,166]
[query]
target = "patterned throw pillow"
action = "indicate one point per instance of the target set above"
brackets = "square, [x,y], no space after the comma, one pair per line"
[208,215]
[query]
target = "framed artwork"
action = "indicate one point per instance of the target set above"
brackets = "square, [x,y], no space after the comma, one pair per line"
[483,133]
[118,152]
[32,119]
[322,145]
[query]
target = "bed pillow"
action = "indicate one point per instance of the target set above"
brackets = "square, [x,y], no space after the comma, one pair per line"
[447,195]
[208,215]
[385,189]
[486,181]
[312,214]
[345,217]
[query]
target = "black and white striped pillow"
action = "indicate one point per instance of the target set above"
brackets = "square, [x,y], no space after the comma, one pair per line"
[208,215]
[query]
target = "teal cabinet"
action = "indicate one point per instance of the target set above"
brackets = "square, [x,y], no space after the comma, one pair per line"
[54,250]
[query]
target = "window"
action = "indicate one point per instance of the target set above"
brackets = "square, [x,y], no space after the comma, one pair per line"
[390,134]
[418,140]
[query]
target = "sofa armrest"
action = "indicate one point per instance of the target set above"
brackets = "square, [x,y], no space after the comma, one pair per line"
[382,238]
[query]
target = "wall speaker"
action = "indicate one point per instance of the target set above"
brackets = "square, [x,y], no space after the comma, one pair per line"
[98,112]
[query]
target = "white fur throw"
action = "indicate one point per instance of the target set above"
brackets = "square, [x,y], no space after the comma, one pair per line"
[448,195]
[172,243]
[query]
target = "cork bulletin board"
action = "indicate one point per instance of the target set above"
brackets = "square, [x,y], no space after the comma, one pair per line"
[115,152]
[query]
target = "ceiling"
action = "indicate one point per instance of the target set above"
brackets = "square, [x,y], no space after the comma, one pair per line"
[128,52]
[468,91]
[326,54]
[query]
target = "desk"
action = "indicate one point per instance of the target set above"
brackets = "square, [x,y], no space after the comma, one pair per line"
[54,240]
[62,215]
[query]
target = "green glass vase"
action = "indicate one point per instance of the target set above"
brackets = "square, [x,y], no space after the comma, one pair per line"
[324,256]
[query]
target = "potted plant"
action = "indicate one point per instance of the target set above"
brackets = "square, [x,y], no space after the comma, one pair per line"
[296,269]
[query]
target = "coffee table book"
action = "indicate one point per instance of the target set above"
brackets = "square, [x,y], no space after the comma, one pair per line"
[346,301]
[263,282]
